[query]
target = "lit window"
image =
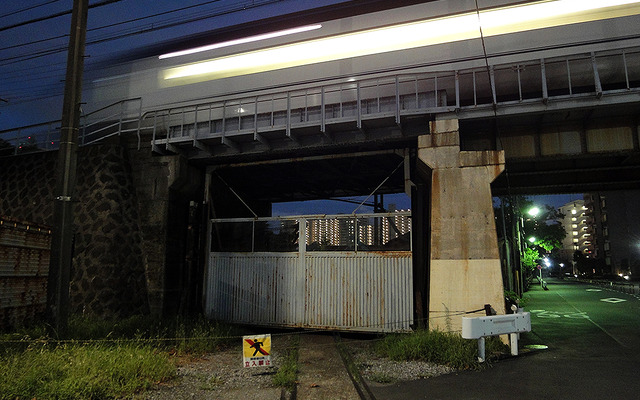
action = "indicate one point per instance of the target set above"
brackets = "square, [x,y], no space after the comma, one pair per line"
[575,233]
[574,211]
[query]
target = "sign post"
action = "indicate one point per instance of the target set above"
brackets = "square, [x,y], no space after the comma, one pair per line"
[256,351]
[540,272]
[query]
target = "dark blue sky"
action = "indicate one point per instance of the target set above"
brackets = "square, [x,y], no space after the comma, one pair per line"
[401,202]
[33,56]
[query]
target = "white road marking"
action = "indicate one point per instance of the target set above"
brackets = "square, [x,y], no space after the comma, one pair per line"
[613,300]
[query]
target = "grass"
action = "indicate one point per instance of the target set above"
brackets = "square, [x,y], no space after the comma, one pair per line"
[287,374]
[100,359]
[82,372]
[438,347]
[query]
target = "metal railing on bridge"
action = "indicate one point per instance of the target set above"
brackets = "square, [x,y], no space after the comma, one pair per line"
[580,80]
[118,118]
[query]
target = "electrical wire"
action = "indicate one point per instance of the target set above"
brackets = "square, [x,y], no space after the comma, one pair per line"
[34,42]
[44,93]
[52,16]
[28,8]
[152,27]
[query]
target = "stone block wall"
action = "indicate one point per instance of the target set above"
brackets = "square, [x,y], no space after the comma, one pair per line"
[108,274]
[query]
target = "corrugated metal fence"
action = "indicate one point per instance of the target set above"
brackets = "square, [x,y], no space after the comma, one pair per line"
[24,267]
[360,290]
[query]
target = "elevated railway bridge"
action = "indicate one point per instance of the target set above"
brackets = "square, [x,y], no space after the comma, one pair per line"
[553,99]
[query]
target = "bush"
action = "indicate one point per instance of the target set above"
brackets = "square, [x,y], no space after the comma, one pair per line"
[438,347]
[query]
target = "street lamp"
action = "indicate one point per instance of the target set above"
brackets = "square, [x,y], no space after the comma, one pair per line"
[532,239]
[533,211]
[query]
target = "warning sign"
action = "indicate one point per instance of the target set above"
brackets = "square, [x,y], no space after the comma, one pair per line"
[256,351]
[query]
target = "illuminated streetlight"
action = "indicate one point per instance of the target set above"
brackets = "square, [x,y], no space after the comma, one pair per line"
[534,211]
[532,239]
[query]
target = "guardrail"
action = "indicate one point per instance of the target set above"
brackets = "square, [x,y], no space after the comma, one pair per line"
[624,287]
[120,117]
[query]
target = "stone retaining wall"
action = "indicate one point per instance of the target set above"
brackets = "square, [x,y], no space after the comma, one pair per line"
[108,272]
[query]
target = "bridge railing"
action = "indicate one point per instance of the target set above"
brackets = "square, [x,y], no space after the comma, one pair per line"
[121,117]
[252,118]
[603,77]
[595,76]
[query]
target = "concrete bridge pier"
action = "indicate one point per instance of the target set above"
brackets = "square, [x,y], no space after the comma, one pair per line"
[465,270]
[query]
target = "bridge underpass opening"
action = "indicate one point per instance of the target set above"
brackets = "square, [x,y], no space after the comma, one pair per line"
[588,157]
[352,271]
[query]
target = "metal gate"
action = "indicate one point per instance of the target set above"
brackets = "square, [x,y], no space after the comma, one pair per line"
[338,272]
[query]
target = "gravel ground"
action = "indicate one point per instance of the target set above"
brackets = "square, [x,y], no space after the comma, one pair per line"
[374,368]
[221,375]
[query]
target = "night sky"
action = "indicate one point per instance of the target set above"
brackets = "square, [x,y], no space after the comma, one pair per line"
[33,56]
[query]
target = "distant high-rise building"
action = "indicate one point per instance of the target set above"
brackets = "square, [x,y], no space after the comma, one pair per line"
[615,221]
[371,231]
[332,232]
[579,233]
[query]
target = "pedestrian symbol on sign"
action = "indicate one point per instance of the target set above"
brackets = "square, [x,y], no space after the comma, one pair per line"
[256,351]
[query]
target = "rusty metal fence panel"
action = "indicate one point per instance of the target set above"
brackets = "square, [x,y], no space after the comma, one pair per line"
[326,281]
[24,267]
[365,291]
[254,288]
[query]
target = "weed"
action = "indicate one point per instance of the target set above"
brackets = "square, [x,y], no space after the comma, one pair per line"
[212,383]
[379,377]
[82,372]
[287,374]
[437,347]
[101,359]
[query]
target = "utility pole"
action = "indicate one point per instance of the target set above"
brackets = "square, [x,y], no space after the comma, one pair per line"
[62,237]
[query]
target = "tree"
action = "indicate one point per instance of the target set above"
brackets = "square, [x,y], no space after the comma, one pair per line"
[530,259]
[514,214]
[546,229]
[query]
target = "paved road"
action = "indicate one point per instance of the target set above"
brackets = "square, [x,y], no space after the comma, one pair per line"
[593,336]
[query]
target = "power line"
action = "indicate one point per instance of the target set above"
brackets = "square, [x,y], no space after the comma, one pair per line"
[33,42]
[138,31]
[28,8]
[167,23]
[52,16]
[103,26]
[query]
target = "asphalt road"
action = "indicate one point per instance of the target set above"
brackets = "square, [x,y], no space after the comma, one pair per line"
[593,339]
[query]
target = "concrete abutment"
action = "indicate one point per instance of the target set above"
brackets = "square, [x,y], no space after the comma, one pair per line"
[464,272]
